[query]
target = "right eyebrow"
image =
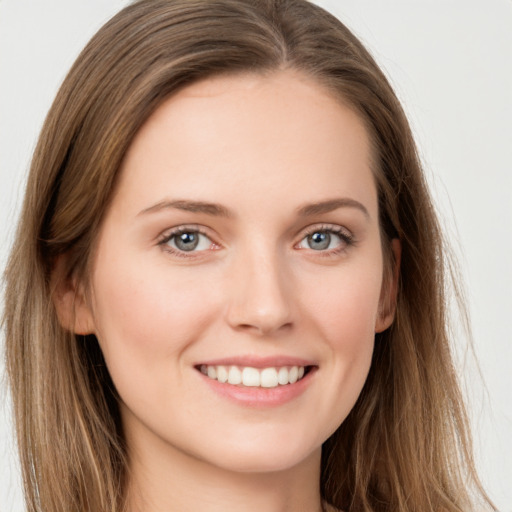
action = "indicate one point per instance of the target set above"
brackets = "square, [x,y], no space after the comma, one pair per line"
[189,206]
[331,205]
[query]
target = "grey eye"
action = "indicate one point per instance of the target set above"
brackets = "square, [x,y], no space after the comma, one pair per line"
[186,241]
[325,239]
[319,241]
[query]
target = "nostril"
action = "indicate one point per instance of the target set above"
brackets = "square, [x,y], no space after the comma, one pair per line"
[263,328]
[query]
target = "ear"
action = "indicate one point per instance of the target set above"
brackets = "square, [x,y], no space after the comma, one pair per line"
[389,291]
[69,299]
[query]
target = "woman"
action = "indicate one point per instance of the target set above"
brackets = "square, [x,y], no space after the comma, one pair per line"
[234,278]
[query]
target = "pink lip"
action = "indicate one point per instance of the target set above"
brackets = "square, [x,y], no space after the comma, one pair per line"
[257,397]
[258,362]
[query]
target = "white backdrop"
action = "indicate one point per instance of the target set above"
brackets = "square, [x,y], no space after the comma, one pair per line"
[451,64]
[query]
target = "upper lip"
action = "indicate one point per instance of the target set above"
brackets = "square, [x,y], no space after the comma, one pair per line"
[258,362]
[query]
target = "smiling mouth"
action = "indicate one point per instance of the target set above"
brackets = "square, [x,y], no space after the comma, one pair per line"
[248,376]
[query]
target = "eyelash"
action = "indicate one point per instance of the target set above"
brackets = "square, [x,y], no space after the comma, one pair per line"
[346,237]
[163,242]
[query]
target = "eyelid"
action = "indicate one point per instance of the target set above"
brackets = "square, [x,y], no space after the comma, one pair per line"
[168,233]
[334,228]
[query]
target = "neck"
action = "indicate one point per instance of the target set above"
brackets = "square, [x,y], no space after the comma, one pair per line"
[172,481]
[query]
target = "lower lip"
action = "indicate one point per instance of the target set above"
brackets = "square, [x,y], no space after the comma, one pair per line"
[258,396]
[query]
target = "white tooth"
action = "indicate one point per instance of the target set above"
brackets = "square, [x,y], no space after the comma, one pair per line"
[282,376]
[203,369]
[212,373]
[234,375]
[294,374]
[301,372]
[269,378]
[250,377]
[222,374]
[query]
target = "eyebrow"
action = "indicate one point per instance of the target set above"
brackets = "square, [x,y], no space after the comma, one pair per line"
[331,205]
[189,206]
[221,211]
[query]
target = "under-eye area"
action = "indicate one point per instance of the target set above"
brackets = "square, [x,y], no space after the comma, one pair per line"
[247,376]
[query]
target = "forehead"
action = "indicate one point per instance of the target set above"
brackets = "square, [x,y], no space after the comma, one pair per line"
[253,133]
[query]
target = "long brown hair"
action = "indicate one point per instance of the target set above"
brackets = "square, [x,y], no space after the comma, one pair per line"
[405,446]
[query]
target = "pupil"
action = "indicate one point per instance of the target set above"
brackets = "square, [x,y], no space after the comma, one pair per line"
[187,241]
[319,241]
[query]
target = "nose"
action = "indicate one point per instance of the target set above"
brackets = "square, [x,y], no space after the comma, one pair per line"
[260,295]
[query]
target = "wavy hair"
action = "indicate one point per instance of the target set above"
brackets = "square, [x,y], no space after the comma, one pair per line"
[405,446]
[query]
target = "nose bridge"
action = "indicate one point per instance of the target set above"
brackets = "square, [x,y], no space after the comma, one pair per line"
[260,300]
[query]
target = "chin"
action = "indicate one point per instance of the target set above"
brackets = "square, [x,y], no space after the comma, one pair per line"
[269,457]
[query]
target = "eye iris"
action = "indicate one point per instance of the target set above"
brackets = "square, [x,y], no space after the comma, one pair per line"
[187,241]
[319,240]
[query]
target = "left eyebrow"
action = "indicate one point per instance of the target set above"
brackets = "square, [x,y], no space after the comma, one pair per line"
[189,206]
[331,205]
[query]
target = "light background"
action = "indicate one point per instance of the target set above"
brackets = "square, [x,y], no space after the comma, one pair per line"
[450,62]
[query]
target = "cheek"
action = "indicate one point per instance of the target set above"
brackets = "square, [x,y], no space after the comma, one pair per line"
[344,312]
[144,313]
[346,307]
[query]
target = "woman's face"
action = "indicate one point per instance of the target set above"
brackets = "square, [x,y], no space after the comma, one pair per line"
[242,243]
